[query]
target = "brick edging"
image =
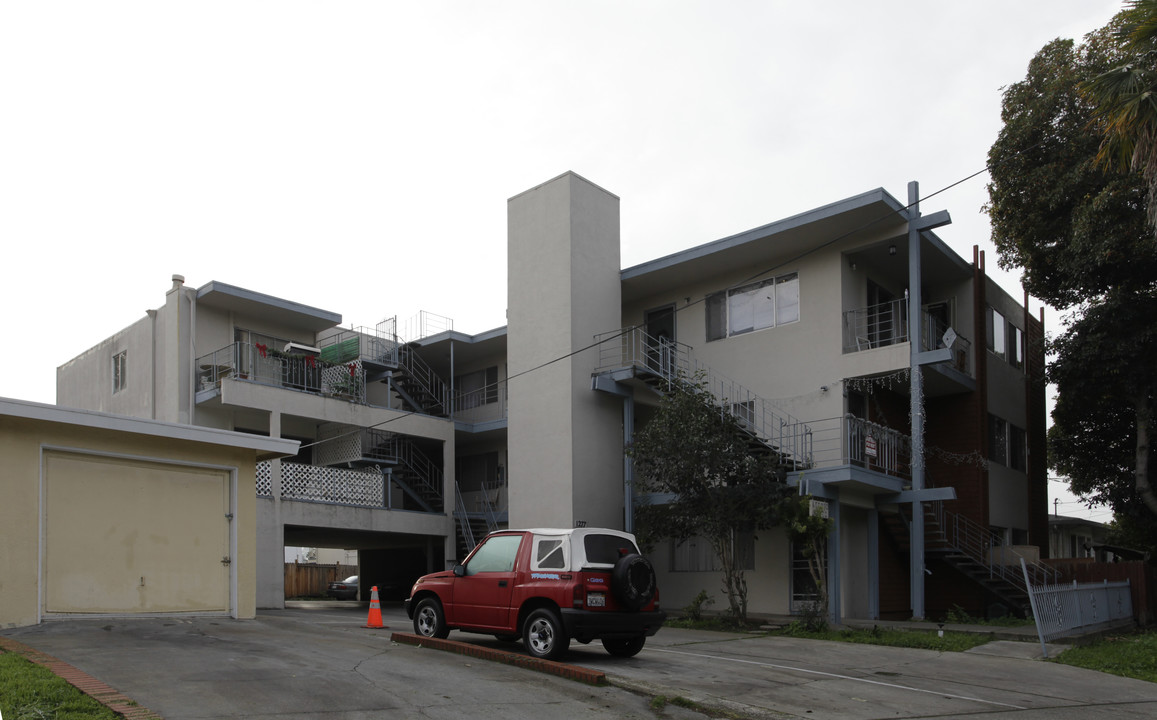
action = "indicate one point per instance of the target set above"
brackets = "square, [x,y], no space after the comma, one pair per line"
[104,694]
[550,667]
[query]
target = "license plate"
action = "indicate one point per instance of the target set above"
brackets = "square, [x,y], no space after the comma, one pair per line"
[596,600]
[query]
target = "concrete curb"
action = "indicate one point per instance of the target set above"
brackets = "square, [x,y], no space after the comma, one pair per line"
[104,694]
[570,672]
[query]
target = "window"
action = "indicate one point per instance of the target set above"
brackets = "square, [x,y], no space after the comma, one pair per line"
[753,307]
[1004,339]
[495,554]
[1007,444]
[549,553]
[697,555]
[1017,448]
[119,370]
[997,440]
[606,549]
[476,388]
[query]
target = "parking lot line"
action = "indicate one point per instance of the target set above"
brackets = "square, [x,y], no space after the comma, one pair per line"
[837,676]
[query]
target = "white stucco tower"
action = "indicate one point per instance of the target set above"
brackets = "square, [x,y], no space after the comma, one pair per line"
[565,441]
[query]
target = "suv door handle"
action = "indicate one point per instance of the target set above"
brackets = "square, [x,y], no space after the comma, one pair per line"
[501,583]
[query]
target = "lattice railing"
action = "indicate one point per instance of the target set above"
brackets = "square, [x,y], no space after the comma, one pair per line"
[314,483]
[264,480]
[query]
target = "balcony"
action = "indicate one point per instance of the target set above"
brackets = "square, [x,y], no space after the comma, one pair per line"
[261,364]
[855,442]
[887,324]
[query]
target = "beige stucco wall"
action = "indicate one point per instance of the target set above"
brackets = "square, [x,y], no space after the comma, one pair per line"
[768,585]
[565,460]
[24,441]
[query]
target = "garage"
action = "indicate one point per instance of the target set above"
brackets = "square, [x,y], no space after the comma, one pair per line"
[123,535]
[107,515]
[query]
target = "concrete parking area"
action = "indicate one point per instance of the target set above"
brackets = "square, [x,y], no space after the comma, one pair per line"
[316,660]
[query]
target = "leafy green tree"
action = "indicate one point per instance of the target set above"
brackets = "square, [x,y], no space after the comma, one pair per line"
[1126,99]
[1081,235]
[1105,399]
[699,460]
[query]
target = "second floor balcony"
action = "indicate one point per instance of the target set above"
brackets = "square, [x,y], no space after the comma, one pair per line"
[288,368]
[887,324]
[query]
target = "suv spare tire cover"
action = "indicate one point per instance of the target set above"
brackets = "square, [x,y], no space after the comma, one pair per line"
[633,581]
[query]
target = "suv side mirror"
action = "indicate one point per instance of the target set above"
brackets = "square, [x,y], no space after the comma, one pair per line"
[459,570]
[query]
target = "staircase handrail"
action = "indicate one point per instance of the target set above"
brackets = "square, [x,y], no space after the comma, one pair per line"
[673,362]
[463,518]
[419,371]
[982,546]
[405,452]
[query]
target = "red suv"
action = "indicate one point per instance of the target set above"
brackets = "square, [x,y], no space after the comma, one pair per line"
[546,587]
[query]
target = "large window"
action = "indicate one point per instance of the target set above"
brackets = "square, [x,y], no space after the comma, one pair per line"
[697,555]
[119,370]
[764,304]
[1007,444]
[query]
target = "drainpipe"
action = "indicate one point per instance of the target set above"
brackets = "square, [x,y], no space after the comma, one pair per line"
[628,465]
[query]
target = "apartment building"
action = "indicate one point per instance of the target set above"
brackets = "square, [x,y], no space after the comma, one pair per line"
[416,440]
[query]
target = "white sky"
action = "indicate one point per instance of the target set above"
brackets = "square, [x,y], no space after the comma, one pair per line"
[357,156]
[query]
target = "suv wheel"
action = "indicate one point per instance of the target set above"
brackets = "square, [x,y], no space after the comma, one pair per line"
[544,635]
[629,647]
[633,581]
[429,620]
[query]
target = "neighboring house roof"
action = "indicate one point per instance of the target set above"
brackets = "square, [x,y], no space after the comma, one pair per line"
[1068,521]
[220,295]
[266,447]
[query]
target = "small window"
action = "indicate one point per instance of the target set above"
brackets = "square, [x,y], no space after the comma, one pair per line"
[495,554]
[119,370]
[549,554]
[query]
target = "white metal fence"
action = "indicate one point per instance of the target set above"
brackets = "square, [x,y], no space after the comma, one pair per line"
[1063,610]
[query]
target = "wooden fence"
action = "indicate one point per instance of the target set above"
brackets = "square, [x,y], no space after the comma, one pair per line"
[311,580]
[1142,578]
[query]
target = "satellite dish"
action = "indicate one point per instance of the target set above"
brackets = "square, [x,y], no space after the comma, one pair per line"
[949,338]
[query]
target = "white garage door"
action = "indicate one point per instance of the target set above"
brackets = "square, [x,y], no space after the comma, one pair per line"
[128,536]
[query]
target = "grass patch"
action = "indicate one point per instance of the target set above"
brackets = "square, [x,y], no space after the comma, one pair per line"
[1131,656]
[29,691]
[924,640]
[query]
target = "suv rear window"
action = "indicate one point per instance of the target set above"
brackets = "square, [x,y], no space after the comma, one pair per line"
[604,549]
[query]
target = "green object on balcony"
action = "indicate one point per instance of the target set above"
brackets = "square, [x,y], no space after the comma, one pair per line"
[341,352]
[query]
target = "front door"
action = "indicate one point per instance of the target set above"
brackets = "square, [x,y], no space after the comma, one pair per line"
[659,324]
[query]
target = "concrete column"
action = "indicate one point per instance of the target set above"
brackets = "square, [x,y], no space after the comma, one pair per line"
[565,445]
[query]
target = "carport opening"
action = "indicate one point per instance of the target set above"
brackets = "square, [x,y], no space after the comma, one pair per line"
[389,561]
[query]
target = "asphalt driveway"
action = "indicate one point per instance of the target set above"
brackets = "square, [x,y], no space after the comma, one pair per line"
[318,661]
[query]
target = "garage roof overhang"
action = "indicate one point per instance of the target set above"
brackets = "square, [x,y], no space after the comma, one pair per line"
[266,448]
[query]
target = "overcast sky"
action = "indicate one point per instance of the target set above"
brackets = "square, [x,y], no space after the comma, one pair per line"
[357,156]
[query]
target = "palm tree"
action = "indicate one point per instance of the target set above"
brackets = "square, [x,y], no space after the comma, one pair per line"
[1127,99]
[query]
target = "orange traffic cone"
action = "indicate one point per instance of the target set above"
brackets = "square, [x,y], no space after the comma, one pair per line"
[375,619]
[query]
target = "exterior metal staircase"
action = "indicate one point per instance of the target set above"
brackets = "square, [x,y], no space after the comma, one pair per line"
[974,551]
[660,363]
[419,387]
[418,477]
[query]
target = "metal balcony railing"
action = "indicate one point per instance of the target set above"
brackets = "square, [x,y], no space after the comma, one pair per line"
[672,362]
[887,324]
[850,440]
[258,363]
[481,405]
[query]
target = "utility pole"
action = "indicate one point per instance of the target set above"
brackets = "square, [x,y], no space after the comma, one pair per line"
[918,358]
